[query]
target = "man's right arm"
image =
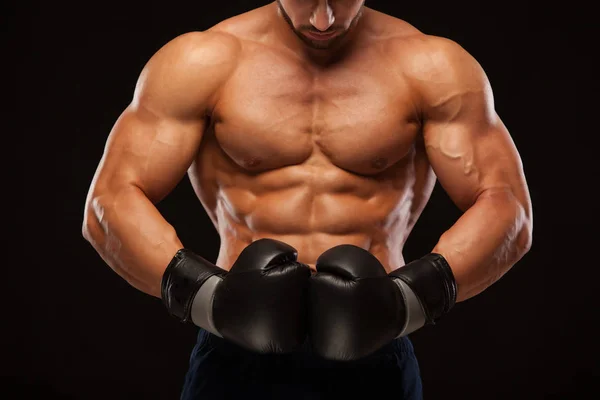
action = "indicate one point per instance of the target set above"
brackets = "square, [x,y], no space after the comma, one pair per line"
[148,151]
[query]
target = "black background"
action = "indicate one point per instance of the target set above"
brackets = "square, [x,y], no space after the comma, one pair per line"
[73,329]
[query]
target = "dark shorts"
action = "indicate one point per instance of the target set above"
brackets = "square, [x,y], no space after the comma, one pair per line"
[221,370]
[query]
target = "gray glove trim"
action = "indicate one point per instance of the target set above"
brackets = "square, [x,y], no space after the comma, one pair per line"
[415,314]
[202,305]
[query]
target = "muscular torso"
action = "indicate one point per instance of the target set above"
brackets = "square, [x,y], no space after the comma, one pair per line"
[315,157]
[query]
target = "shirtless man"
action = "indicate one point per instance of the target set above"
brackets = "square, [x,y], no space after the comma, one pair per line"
[313,133]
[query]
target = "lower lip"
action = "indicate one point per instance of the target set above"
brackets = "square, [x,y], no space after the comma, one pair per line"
[316,36]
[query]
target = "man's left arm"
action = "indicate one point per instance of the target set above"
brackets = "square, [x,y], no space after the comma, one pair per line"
[478,165]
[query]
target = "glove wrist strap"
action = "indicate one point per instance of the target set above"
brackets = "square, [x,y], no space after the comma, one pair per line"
[185,275]
[431,279]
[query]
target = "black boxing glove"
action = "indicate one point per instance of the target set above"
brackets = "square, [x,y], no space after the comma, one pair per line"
[260,304]
[356,307]
[429,290]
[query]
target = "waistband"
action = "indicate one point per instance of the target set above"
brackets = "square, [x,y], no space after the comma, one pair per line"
[206,341]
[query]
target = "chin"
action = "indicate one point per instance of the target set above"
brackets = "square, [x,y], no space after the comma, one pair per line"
[320,44]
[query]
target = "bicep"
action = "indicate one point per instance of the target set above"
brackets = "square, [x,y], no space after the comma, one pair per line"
[471,150]
[149,151]
[468,146]
[155,139]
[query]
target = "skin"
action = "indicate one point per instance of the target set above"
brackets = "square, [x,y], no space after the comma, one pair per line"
[314,143]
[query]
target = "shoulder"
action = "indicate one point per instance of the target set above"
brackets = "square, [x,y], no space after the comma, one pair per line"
[200,48]
[443,56]
[401,40]
[434,62]
[445,78]
[437,69]
[222,43]
[191,56]
[186,73]
[416,53]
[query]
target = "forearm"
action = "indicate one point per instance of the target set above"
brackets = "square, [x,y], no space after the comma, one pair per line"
[486,241]
[131,236]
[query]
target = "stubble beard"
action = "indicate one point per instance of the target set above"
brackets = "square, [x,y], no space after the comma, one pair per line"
[320,44]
